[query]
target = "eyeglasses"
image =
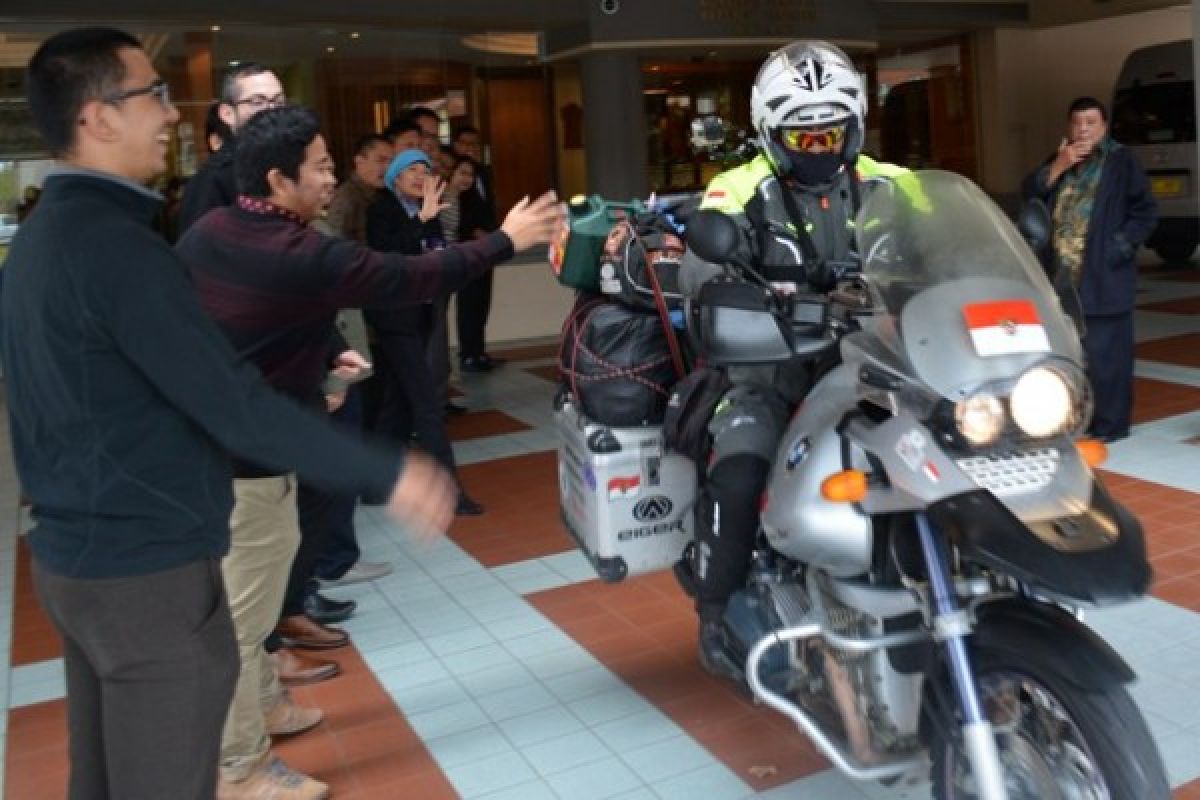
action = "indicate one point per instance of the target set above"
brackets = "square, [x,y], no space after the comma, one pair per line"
[260,102]
[806,140]
[158,89]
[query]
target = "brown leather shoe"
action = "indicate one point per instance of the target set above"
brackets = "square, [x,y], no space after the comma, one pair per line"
[286,718]
[295,669]
[301,631]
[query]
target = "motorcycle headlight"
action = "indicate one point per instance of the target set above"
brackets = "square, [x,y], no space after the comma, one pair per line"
[1041,402]
[980,418]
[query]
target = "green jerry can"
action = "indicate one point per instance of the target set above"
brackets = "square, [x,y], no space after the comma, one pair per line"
[575,252]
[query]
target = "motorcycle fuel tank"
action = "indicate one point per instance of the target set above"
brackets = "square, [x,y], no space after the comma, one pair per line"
[798,522]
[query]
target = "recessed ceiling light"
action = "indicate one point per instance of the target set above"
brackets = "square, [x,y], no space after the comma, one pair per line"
[215,28]
[355,35]
[234,63]
[329,49]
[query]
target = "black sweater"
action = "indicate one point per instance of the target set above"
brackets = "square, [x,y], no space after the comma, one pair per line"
[124,397]
[213,186]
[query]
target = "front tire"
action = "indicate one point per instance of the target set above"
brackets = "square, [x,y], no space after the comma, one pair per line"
[1056,740]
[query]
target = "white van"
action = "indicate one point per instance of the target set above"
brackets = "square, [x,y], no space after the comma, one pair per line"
[1154,112]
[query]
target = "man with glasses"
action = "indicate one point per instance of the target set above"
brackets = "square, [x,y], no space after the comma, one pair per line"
[795,203]
[246,90]
[125,403]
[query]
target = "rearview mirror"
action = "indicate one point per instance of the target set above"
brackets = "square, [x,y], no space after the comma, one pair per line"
[713,236]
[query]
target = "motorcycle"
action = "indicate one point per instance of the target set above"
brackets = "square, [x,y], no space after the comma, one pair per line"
[932,529]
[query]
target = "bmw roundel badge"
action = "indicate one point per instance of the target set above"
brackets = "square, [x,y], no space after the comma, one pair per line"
[798,452]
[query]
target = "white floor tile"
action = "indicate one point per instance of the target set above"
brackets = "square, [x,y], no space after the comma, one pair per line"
[540,726]
[469,745]
[596,781]
[478,778]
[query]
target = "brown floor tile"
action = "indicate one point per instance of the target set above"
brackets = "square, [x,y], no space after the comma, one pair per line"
[661,666]
[364,748]
[1183,305]
[522,519]
[34,638]
[527,353]
[1183,350]
[480,424]
[1160,399]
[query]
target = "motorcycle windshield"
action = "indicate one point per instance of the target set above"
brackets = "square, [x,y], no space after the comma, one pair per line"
[963,301]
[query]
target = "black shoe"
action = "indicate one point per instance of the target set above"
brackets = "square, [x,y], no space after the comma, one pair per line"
[713,652]
[492,362]
[476,364]
[454,409]
[326,611]
[467,507]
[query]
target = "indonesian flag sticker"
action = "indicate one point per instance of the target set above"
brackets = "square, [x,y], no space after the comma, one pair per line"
[1006,327]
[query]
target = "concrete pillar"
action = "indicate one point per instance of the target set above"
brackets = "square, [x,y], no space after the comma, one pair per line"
[614,124]
[1195,74]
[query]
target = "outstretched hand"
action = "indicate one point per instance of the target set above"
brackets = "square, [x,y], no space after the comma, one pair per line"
[424,497]
[534,222]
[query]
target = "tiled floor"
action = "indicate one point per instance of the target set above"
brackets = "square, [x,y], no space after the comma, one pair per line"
[493,665]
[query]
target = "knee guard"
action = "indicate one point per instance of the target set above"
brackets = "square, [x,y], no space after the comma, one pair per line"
[726,526]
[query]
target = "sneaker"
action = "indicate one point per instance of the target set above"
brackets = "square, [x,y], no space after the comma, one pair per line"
[272,780]
[359,572]
[454,409]
[286,718]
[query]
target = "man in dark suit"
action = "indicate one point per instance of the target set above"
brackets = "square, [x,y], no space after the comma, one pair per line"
[1103,211]
[475,299]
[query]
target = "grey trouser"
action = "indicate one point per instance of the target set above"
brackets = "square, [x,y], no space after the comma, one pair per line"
[151,662]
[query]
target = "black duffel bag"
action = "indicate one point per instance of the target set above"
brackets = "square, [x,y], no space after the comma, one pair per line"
[616,362]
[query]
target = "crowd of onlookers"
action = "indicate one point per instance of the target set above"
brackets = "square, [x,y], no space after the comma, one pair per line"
[170,405]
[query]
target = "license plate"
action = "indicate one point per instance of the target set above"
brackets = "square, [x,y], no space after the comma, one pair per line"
[1166,187]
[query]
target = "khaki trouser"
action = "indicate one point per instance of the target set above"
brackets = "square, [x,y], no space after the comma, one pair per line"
[265,535]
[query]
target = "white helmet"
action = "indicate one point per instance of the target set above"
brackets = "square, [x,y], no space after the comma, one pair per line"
[807,84]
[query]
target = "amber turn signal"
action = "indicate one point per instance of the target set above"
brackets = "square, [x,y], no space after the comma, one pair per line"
[847,486]
[1093,451]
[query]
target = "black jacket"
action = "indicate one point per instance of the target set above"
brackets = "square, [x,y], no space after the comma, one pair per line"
[475,214]
[124,398]
[213,186]
[391,229]
[1123,217]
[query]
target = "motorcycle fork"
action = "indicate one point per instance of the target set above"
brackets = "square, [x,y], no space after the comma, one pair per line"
[951,626]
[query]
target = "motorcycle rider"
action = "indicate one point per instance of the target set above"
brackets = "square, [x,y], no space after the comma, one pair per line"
[794,205]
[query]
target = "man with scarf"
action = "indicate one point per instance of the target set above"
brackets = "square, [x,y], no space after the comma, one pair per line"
[1102,212]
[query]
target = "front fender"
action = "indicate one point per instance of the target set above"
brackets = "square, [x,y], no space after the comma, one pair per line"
[1016,627]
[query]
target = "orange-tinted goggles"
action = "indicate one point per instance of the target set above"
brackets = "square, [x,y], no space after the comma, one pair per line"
[806,140]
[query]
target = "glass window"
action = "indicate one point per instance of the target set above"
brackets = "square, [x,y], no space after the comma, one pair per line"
[1159,113]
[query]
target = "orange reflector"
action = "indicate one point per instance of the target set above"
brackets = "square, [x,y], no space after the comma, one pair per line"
[847,486]
[1093,451]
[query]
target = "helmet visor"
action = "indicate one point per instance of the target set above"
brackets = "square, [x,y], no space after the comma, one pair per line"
[813,139]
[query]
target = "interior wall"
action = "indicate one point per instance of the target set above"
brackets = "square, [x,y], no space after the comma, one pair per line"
[1027,78]
[572,161]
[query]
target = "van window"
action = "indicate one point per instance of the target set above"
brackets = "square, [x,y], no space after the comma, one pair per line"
[1160,113]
